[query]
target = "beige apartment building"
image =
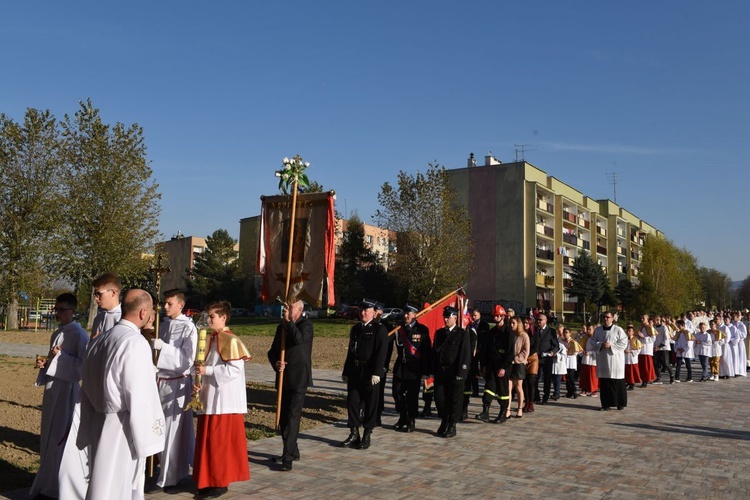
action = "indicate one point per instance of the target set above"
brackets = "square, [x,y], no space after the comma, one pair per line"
[181,251]
[528,228]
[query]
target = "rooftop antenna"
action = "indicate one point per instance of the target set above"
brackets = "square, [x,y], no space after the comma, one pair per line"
[612,176]
[523,148]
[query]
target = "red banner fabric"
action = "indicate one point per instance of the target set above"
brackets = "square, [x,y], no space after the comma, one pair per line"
[313,250]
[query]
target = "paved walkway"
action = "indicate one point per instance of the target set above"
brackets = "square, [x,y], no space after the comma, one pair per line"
[672,441]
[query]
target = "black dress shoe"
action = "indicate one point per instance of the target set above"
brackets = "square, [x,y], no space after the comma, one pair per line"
[620,407]
[411,427]
[279,460]
[286,466]
[450,432]
[443,427]
[365,442]
[500,419]
[352,441]
[605,408]
[213,492]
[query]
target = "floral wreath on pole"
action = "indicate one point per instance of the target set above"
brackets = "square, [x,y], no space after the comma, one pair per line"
[292,169]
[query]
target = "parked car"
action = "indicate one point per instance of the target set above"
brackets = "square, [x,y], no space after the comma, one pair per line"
[393,314]
[34,315]
[350,312]
[311,312]
[239,312]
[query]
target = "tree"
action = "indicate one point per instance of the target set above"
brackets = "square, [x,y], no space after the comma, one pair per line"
[435,252]
[743,293]
[30,170]
[359,272]
[586,280]
[112,207]
[669,278]
[715,286]
[216,274]
[625,292]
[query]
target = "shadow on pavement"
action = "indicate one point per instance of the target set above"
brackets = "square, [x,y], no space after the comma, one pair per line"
[691,429]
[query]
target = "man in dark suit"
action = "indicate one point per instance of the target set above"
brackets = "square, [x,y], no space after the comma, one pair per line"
[450,363]
[547,346]
[364,369]
[297,369]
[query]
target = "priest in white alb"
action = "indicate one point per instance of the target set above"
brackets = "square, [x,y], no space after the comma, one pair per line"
[610,343]
[121,416]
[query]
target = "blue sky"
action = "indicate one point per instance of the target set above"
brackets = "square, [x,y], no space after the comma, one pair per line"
[656,91]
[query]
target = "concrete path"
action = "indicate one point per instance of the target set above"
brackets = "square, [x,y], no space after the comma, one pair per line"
[672,441]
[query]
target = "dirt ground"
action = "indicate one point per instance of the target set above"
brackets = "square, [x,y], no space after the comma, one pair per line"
[20,403]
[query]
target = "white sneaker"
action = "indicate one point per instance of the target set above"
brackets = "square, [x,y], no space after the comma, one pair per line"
[676,381]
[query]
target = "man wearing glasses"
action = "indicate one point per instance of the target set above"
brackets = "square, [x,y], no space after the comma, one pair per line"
[610,342]
[107,296]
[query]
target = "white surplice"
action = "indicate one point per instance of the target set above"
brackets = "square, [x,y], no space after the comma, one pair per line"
[121,416]
[175,363]
[74,467]
[60,378]
[741,365]
[610,361]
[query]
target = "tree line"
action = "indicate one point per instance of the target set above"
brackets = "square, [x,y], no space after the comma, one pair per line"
[77,198]
[670,282]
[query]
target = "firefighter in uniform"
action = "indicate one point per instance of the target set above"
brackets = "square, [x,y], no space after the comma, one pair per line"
[363,372]
[496,360]
[451,357]
[412,352]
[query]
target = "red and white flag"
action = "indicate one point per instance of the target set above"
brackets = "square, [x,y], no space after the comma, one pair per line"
[313,252]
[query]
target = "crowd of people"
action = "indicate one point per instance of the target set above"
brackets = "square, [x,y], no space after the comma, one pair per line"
[139,390]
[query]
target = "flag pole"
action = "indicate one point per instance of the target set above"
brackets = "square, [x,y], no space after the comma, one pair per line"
[432,306]
[286,298]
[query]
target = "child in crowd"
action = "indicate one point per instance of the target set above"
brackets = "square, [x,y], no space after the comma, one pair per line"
[632,371]
[220,443]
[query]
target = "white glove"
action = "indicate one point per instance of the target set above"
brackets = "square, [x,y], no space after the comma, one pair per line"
[375,380]
[344,378]
[157,343]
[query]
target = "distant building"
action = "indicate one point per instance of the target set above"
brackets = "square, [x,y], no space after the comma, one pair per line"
[181,251]
[381,241]
[529,227]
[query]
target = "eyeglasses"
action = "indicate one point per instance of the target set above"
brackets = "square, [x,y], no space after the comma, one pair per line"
[99,293]
[608,317]
[63,309]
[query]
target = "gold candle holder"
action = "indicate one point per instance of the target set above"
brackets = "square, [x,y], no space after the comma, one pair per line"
[200,359]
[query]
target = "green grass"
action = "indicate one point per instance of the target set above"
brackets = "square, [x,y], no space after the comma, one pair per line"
[264,327]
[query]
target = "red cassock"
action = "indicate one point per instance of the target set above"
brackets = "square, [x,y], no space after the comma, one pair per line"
[220,450]
[589,382]
[632,374]
[646,368]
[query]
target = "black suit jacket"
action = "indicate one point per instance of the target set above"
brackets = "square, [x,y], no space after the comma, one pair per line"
[547,341]
[298,355]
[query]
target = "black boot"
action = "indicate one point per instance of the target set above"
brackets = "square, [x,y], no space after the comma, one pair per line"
[365,443]
[353,440]
[451,431]
[401,424]
[501,418]
[485,415]
[412,426]
[443,427]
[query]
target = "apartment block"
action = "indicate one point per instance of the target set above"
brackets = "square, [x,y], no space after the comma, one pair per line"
[528,228]
[181,251]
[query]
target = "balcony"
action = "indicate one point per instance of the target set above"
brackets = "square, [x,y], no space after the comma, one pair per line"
[601,250]
[545,254]
[635,256]
[547,207]
[568,261]
[601,231]
[569,216]
[633,272]
[621,250]
[567,283]
[569,306]
[584,223]
[545,230]
[545,281]
[586,245]
[570,238]
[637,240]
[622,269]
